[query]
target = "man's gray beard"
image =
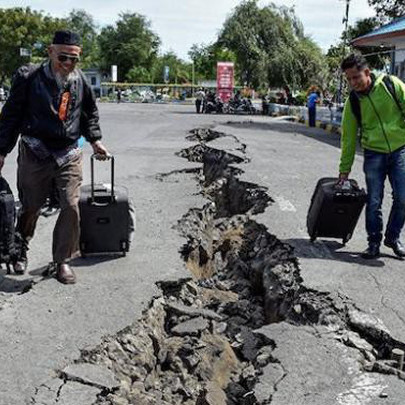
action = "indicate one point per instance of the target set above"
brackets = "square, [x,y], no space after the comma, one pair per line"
[62,79]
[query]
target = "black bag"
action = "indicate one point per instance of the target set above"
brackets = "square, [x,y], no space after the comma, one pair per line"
[107,219]
[8,245]
[334,211]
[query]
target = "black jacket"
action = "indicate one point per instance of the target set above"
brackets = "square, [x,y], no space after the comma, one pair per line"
[33,105]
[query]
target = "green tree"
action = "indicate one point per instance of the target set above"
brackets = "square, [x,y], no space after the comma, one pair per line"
[139,74]
[377,59]
[179,71]
[83,23]
[270,46]
[205,58]
[336,53]
[128,44]
[22,28]
[388,9]
[334,58]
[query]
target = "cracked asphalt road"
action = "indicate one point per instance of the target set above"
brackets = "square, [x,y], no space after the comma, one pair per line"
[375,286]
[44,325]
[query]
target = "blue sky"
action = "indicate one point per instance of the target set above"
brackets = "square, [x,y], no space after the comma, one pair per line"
[181,23]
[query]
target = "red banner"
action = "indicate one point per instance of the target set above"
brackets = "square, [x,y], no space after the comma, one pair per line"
[225,80]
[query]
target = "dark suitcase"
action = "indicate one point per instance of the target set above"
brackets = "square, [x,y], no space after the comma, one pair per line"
[334,211]
[8,239]
[105,217]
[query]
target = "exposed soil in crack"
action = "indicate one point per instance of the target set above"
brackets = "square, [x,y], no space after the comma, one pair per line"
[197,342]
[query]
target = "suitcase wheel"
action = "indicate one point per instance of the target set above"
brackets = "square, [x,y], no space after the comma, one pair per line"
[82,249]
[124,247]
[346,238]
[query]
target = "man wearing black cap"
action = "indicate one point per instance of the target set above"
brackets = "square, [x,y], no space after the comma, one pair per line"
[51,106]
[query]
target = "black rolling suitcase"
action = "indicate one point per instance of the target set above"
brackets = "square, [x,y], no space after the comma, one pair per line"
[335,210]
[106,217]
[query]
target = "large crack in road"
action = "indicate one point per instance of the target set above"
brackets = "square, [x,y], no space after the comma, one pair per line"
[199,342]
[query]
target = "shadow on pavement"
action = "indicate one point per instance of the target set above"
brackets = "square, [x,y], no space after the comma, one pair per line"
[94,260]
[186,113]
[11,284]
[329,250]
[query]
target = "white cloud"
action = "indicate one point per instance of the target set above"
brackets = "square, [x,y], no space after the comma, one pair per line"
[181,23]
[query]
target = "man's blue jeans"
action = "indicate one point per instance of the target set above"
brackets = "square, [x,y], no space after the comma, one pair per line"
[377,166]
[312,116]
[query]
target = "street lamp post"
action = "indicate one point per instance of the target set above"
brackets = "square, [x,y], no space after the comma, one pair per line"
[192,78]
[346,22]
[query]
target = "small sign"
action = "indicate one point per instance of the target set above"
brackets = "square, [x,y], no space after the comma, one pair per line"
[166,71]
[114,71]
[25,52]
[225,80]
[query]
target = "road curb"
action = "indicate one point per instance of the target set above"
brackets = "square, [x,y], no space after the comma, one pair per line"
[330,128]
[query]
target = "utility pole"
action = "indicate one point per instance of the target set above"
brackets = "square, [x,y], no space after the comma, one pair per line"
[346,23]
[192,78]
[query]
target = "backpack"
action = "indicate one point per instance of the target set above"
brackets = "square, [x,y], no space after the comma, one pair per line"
[355,101]
[8,237]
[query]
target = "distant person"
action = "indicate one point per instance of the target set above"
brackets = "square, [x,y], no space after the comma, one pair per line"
[199,99]
[237,97]
[265,105]
[119,94]
[209,105]
[380,121]
[312,101]
[281,98]
[211,96]
[289,96]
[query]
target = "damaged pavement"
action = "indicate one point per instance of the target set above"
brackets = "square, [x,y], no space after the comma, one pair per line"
[240,324]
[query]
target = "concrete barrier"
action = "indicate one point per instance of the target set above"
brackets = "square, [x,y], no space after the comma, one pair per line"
[326,118]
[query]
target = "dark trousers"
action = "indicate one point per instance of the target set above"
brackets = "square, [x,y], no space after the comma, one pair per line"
[198,105]
[312,116]
[377,167]
[34,181]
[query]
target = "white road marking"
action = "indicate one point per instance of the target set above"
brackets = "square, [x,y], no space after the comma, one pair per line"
[284,204]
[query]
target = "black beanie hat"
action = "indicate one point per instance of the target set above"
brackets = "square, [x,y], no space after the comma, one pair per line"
[66,38]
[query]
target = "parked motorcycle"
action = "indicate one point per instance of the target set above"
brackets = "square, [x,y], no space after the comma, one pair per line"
[214,105]
[241,106]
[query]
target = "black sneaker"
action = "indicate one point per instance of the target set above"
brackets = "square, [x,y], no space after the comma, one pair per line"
[20,266]
[396,246]
[21,262]
[372,252]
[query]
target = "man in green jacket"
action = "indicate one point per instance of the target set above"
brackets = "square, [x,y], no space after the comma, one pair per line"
[382,135]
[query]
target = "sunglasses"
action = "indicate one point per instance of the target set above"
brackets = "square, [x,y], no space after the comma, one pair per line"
[64,58]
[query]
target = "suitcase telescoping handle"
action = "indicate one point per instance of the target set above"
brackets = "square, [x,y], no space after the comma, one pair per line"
[111,159]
